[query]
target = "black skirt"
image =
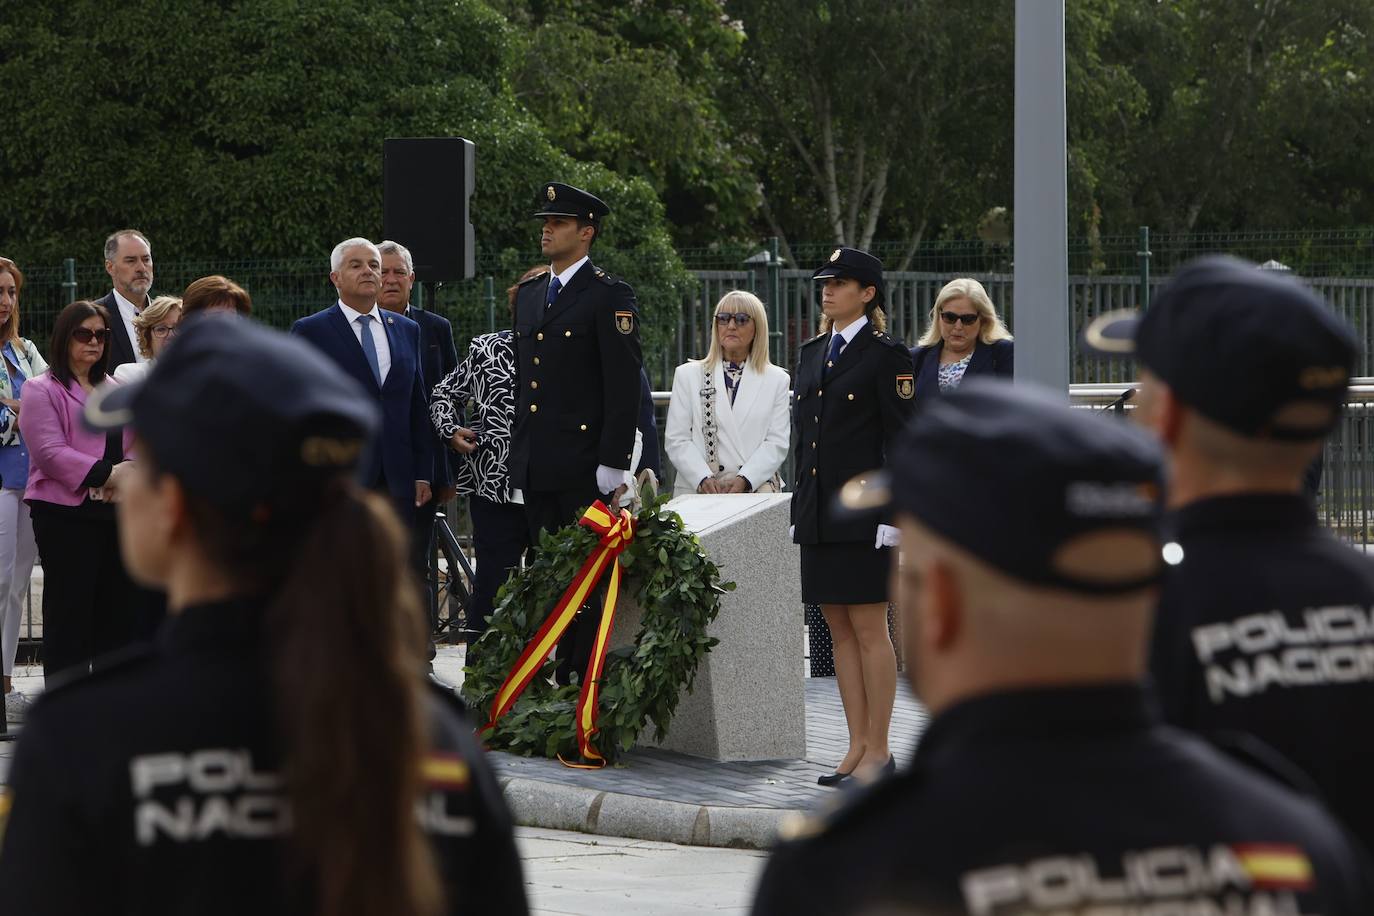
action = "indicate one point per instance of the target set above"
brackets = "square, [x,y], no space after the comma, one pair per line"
[852,573]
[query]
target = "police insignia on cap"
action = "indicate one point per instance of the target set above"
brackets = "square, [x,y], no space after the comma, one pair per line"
[553,195]
[625,322]
[906,387]
[835,255]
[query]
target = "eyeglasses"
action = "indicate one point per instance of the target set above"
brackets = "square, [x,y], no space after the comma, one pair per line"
[740,318]
[967,320]
[86,335]
[164,330]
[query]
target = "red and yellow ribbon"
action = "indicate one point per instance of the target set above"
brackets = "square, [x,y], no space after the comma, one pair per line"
[616,532]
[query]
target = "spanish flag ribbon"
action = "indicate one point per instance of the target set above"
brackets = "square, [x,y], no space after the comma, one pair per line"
[616,531]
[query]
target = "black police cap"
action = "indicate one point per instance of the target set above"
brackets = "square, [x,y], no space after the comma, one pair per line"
[241,414]
[558,199]
[1015,477]
[853,264]
[1242,346]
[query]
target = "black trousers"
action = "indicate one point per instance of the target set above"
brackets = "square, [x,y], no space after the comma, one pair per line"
[549,511]
[500,536]
[90,606]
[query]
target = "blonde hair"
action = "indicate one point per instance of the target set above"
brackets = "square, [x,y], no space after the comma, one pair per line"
[990,331]
[151,317]
[737,300]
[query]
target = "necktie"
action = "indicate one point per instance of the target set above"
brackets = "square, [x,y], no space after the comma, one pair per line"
[554,286]
[370,347]
[836,344]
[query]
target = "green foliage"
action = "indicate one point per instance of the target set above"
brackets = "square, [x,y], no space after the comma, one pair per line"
[678,588]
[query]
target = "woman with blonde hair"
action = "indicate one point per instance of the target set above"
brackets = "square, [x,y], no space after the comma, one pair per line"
[727,429]
[154,328]
[965,337]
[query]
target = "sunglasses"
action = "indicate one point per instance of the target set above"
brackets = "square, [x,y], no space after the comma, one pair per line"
[951,317]
[86,335]
[740,318]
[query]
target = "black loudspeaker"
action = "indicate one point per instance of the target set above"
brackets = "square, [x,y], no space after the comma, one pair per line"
[427,183]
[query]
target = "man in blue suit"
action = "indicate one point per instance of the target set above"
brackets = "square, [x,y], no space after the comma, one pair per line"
[382,351]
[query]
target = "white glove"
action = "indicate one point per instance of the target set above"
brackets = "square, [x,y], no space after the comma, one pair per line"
[608,479]
[887,537]
[791,532]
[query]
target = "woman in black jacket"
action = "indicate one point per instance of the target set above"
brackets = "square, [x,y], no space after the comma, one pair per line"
[965,337]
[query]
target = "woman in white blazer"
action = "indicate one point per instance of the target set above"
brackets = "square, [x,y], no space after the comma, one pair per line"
[728,423]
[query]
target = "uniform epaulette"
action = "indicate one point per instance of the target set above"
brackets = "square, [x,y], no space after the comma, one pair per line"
[843,809]
[121,661]
[821,336]
[604,277]
[884,338]
[542,276]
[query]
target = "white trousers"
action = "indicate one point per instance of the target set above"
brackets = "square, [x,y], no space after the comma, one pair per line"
[17,553]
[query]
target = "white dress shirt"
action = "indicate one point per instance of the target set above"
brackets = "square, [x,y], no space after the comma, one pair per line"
[851,332]
[127,313]
[378,334]
[566,276]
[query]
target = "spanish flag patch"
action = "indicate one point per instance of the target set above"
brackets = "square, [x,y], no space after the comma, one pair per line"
[1275,865]
[444,771]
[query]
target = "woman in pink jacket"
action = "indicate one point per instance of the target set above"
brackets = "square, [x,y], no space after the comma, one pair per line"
[74,474]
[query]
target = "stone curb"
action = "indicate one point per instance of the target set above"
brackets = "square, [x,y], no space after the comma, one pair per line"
[558,807]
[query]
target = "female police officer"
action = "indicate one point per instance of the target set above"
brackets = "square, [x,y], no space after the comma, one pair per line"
[277,751]
[852,394]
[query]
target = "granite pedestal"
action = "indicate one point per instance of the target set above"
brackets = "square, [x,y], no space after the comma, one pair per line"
[748,700]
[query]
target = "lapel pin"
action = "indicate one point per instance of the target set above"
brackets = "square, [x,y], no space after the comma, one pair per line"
[391,320]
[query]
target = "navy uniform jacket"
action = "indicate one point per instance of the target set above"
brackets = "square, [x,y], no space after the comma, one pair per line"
[403,451]
[577,378]
[1069,800]
[997,358]
[1266,627]
[152,787]
[438,357]
[844,424]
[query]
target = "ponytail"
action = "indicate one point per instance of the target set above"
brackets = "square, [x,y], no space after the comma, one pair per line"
[345,637]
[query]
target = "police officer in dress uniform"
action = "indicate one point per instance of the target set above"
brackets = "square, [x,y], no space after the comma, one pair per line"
[852,394]
[578,361]
[277,751]
[1045,781]
[1266,620]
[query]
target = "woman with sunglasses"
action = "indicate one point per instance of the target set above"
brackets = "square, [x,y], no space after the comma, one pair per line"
[727,418]
[965,337]
[853,389]
[22,362]
[155,327]
[88,599]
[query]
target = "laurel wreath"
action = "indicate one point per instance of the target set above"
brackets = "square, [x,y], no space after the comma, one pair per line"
[677,586]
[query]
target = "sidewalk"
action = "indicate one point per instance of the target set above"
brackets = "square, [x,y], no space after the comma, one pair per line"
[663,795]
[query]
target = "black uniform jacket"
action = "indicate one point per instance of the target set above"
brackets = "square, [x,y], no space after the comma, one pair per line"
[577,365]
[1266,626]
[844,423]
[1069,800]
[150,787]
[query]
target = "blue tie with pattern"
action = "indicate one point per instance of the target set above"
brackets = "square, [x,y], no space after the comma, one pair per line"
[370,347]
[836,343]
[554,286]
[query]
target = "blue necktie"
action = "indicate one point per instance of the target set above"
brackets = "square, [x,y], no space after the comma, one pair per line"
[370,347]
[554,286]
[836,343]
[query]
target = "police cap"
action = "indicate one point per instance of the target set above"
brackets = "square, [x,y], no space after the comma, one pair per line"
[558,199]
[1018,479]
[1253,350]
[853,264]
[241,414]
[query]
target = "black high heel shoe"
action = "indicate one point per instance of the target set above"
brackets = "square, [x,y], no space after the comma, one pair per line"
[888,768]
[833,779]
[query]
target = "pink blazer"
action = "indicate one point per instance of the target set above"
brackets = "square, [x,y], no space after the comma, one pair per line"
[61,450]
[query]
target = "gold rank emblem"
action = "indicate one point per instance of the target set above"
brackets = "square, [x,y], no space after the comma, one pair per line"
[551,192]
[906,387]
[835,255]
[625,322]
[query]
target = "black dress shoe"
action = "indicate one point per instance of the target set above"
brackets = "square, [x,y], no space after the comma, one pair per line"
[833,779]
[890,767]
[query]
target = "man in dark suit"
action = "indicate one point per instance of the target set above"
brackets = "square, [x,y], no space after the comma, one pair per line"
[382,351]
[578,364]
[129,262]
[437,359]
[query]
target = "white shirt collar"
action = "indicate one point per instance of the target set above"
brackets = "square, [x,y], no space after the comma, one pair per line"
[125,305]
[853,330]
[352,314]
[566,276]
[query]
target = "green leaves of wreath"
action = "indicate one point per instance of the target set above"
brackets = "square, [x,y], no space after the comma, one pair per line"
[666,573]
